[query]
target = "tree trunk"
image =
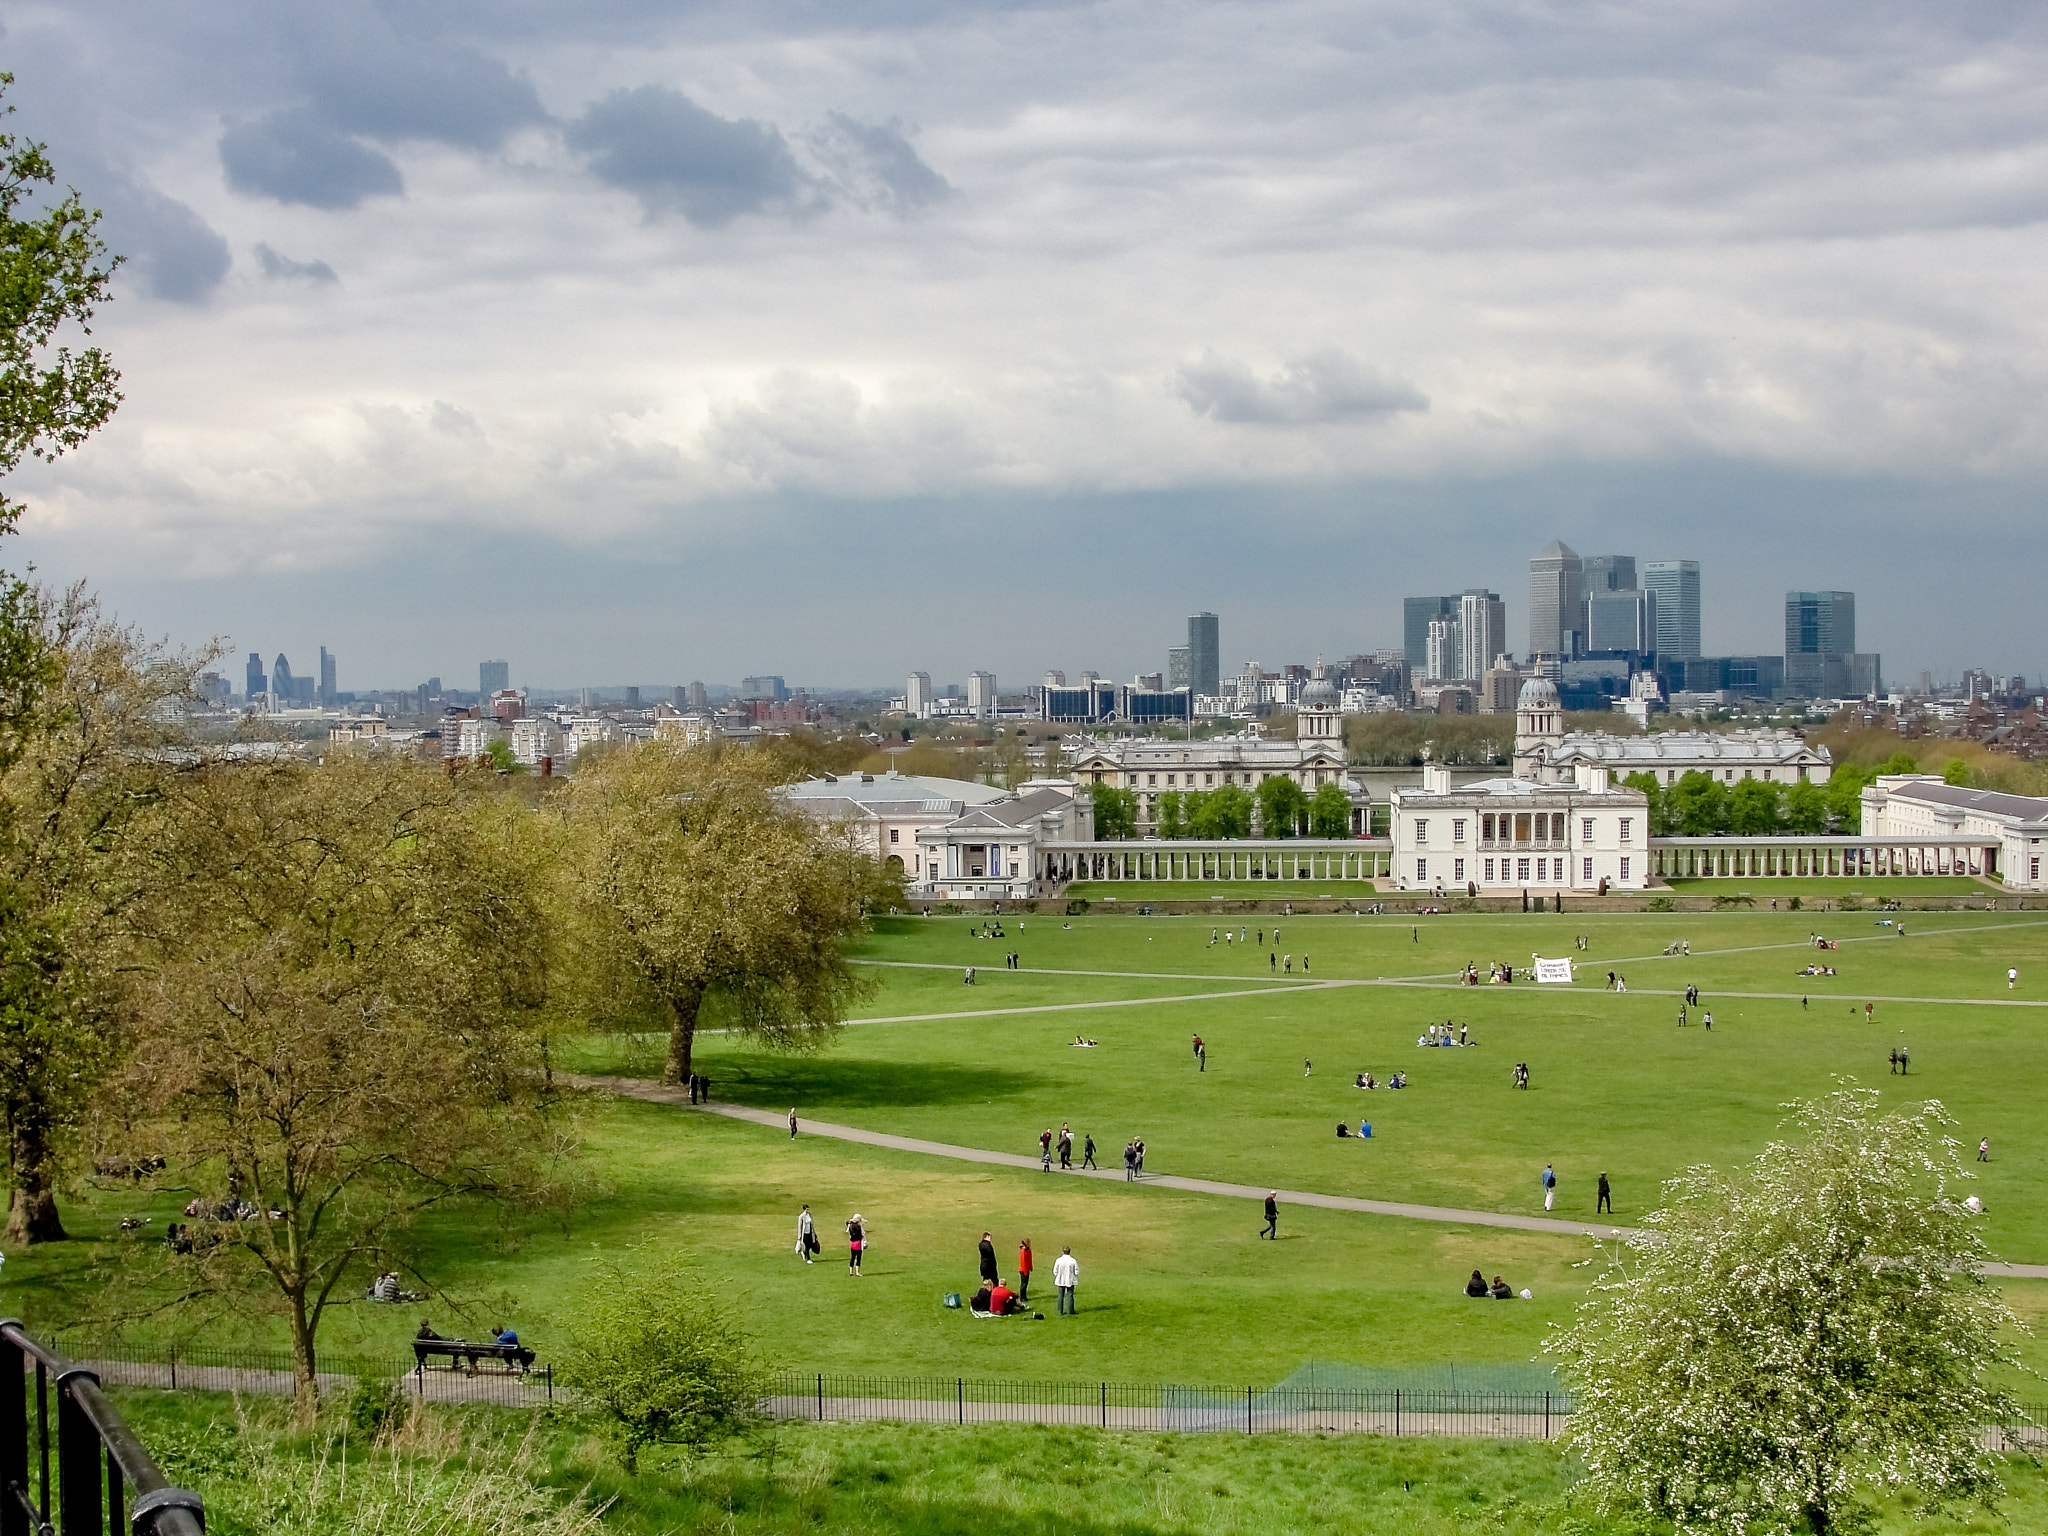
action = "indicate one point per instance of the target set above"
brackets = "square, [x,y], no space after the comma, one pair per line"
[682,1033]
[32,1215]
[305,1365]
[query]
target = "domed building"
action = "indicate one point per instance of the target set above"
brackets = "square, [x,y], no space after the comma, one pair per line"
[1319,716]
[1545,753]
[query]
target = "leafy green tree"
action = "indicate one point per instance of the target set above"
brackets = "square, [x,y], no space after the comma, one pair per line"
[1779,1346]
[1170,819]
[1116,812]
[1663,822]
[1282,806]
[1699,805]
[1223,812]
[501,759]
[688,885]
[1753,808]
[1329,813]
[1901,762]
[1806,809]
[657,1359]
[54,273]
[1956,772]
[1844,792]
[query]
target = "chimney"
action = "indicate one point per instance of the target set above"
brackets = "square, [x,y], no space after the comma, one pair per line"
[1436,779]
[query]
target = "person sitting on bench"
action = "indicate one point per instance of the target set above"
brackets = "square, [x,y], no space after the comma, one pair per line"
[1476,1286]
[1502,1291]
[426,1332]
[506,1337]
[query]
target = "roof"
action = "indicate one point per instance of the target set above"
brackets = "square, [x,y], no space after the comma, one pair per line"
[1664,746]
[1989,802]
[869,789]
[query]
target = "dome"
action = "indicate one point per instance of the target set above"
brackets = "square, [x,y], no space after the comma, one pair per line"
[1538,693]
[1319,693]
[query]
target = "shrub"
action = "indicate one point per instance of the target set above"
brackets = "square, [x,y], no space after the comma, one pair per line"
[375,1407]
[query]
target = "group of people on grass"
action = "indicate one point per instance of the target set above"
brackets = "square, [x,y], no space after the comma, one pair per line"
[1500,1290]
[995,1299]
[1445,1033]
[1500,973]
[1367,1080]
[808,1247]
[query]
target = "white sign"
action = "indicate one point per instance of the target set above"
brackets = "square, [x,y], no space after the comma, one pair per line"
[1553,970]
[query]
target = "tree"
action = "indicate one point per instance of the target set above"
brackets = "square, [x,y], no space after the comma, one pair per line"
[1662,822]
[1753,808]
[658,1360]
[1116,812]
[1282,806]
[1699,805]
[1844,794]
[1779,1344]
[1956,772]
[1901,761]
[87,750]
[689,886]
[53,274]
[1169,820]
[1329,813]
[338,1019]
[501,759]
[1225,811]
[1806,809]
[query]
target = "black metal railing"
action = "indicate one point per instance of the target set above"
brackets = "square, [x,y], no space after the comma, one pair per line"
[107,1482]
[270,1372]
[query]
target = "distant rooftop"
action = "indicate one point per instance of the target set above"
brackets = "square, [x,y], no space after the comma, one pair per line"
[868,789]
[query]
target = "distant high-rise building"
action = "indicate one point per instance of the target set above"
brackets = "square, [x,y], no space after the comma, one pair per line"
[1205,654]
[491,676]
[1054,678]
[981,694]
[1178,671]
[917,696]
[679,698]
[1821,659]
[1150,682]
[1557,596]
[1417,613]
[327,688]
[1675,584]
[253,677]
[1621,619]
[632,698]
[1608,573]
[281,689]
[586,698]
[1443,650]
[1482,631]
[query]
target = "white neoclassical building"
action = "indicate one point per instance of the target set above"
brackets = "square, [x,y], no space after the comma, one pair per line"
[2014,828]
[1589,835]
[1151,766]
[1546,753]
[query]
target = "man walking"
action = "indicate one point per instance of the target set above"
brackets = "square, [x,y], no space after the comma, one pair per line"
[1272,1227]
[1606,1202]
[1707,1020]
[1307,1066]
[1130,1161]
[2012,977]
[792,1122]
[1201,1056]
[1088,1151]
[806,1234]
[989,1272]
[1066,1274]
[1549,1185]
[1066,1149]
[1045,1150]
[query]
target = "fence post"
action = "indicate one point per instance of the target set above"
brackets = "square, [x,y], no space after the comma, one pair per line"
[174,1367]
[1546,1415]
[821,1397]
[551,1380]
[79,1489]
[960,1397]
[14,1520]
[1397,1411]
[1105,1405]
[1247,1410]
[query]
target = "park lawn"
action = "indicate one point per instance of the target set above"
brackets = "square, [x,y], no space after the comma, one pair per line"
[1864,888]
[934,987]
[933,1480]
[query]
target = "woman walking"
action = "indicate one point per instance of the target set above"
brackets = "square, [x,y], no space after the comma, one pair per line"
[856,1241]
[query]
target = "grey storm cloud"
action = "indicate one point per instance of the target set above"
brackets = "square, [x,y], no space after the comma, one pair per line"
[876,165]
[171,250]
[678,158]
[390,91]
[295,157]
[1323,388]
[280,268]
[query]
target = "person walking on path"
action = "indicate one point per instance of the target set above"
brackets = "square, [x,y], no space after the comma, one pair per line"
[806,1234]
[1707,1020]
[1066,1274]
[1984,1150]
[1606,1201]
[1045,1150]
[989,1272]
[856,1242]
[1138,1146]
[1307,1066]
[1024,1270]
[1066,1149]
[792,1122]
[1549,1185]
[1272,1227]
[1088,1152]
[1130,1161]
[1201,1055]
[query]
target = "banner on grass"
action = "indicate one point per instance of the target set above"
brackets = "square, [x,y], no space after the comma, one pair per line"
[1553,970]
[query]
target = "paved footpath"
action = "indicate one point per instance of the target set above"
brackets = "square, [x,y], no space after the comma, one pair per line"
[663,1093]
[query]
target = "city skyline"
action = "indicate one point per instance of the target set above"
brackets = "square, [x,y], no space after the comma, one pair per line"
[432,317]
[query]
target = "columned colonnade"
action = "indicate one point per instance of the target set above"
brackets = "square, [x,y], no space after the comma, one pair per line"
[1691,858]
[1233,859]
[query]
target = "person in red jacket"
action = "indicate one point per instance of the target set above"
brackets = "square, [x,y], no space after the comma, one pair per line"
[1024,1270]
[999,1298]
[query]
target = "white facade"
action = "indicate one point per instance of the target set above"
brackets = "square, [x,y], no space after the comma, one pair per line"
[981,695]
[1151,766]
[1546,754]
[884,812]
[534,739]
[1920,805]
[917,695]
[1514,834]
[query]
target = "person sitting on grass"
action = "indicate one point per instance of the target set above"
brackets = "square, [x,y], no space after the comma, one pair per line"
[1002,1300]
[1476,1286]
[979,1300]
[1343,1130]
[1502,1291]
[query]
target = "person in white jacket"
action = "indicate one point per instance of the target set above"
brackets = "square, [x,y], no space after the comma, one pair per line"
[1066,1274]
[806,1235]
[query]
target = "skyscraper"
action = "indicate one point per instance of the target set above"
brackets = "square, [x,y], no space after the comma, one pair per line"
[254,683]
[1482,631]
[327,689]
[917,695]
[1821,659]
[1177,668]
[981,694]
[1557,597]
[1676,586]
[1417,613]
[1609,573]
[281,689]
[700,699]
[1621,619]
[492,676]
[1205,654]
[1443,650]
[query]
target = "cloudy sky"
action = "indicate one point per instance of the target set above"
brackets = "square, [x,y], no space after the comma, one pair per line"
[639,342]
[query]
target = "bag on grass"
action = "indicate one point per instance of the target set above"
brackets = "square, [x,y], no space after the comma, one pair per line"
[952,1299]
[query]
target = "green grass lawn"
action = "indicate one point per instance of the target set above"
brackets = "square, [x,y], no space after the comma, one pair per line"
[1769,888]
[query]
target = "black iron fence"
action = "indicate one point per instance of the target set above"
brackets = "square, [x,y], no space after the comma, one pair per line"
[1125,1405]
[107,1482]
[270,1372]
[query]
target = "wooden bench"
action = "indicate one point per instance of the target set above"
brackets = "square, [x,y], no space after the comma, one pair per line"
[460,1352]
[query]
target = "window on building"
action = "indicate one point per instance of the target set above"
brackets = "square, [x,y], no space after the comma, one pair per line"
[1624,869]
[1730,775]
[1802,773]
[1486,828]
[1670,775]
[1458,830]
[2036,874]
[1151,778]
[1588,875]
[1210,778]
[1422,869]
[1489,871]
[1627,824]
[1521,869]
[1457,869]
[1422,830]
[1013,871]
[1585,829]
[1169,781]
[895,834]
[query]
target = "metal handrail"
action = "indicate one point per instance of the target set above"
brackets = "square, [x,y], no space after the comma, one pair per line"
[100,1462]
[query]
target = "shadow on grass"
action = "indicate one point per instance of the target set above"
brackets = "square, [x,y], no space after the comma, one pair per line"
[816,1083]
